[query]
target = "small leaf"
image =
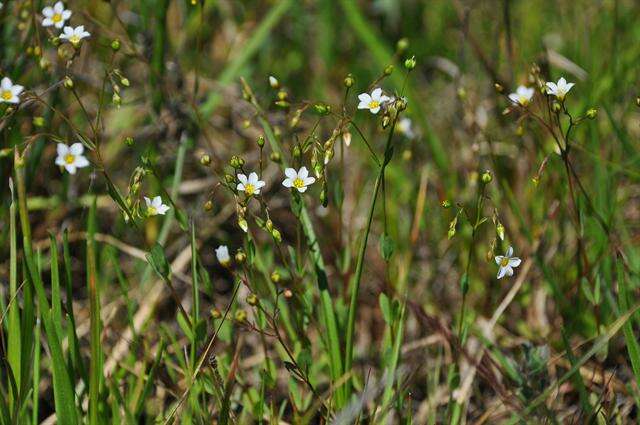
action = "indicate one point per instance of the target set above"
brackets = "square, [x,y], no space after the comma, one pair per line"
[158,261]
[385,307]
[387,246]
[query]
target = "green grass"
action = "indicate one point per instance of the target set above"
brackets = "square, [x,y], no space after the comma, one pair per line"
[372,296]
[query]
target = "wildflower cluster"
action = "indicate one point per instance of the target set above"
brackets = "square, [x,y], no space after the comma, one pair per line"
[56,16]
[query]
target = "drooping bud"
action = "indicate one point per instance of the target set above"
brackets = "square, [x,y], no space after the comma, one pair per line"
[276,157]
[252,299]
[205,159]
[388,70]
[208,206]
[349,81]
[486,177]
[275,276]
[273,82]
[241,257]
[410,63]
[68,82]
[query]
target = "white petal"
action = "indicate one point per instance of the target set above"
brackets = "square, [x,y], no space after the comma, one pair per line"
[509,271]
[514,262]
[59,24]
[363,104]
[48,11]
[364,97]
[302,189]
[384,99]
[6,84]
[62,149]
[58,7]
[17,89]
[157,202]
[71,168]
[47,22]
[287,182]
[291,173]
[499,259]
[303,173]
[375,94]
[81,161]
[552,87]
[242,178]
[309,180]
[375,110]
[240,187]
[514,98]
[60,161]
[66,15]
[501,272]
[162,209]
[147,201]
[260,184]
[253,178]
[509,252]
[76,149]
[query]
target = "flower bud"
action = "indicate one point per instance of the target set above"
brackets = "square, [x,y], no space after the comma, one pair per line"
[205,159]
[519,131]
[276,157]
[322,109]
[287,293]
[252,299]
[236,162]
[486,177]
[592,113]
[498,87]
[116,99]
[297,152]
[269,225]
[229,178]
[400,103]
[215,313]
[388,70]
[275,276]
[208,206]
[324,199]
[115,45]
[555,107]
[38,121]
[260,141]
[37,51]
[348,81]
[402,44]
[68,82]
[241,316]
[275,233]
[445,203]
[386,120]
[128,141]
[273,82]
[241,257]
[410,63]
[500,231]
[125,82]
[637,101]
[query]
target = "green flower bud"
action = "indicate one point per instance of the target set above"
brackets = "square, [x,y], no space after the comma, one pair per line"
[115,45]
[410,63]
[322,108]
[349,81]
[236,162]
[297,152]
[68,82]
[592,113]
[125,82]
[241,316]
[252,299]
[240,256]
[260,141]
[205,159]
[275,276]
[215,313]
[486,177]
[229,178]
[402,44]
[38,121]
[128,141]
[445,203]
[269,225]
[208,206]
[556,107]
[388,70]
[276,157]
[275,233]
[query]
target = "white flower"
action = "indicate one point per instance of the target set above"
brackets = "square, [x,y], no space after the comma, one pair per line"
[372,102]
[273,82]
[9,92]
[251,185]
[71,157]
[405,126]
[222,254]
[55,16]
[299,179]
[74,35]
[560,89]
[346,138]
[155,206]
[522,96]
[507,263]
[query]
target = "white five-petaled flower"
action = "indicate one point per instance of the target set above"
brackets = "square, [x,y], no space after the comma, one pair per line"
[222,254]
[374,101]
[506,263]
[10,92]
[71,157]
[559,89]
[74,35]
[299,179]
[522,96]
[55,16]
[250,185]
[155,206]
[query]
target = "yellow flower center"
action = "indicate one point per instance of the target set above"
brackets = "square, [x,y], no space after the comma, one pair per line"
[152,211]
[7,95]
[523,100]
[57,18]
[74,39]
[69,159]
[298,183]
[249,189]
[374,104]
[504,262]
